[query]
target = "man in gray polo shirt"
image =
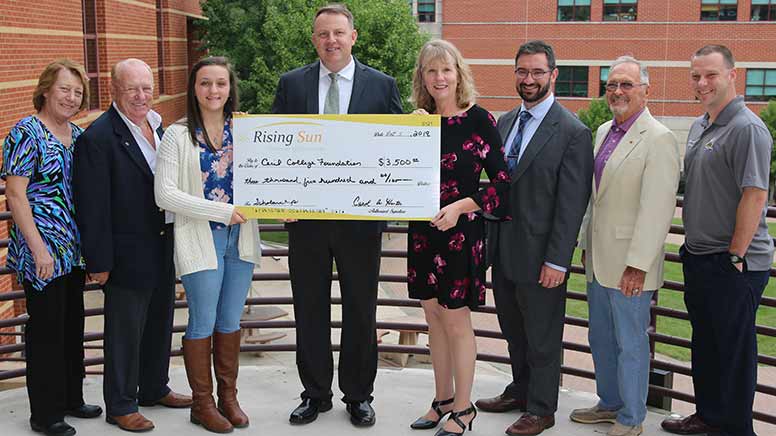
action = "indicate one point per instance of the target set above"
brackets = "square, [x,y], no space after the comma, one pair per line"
[727,253]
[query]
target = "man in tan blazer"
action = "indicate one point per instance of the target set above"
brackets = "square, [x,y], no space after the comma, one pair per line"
[636,174]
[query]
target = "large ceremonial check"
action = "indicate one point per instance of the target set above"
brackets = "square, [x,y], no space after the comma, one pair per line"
[361,167]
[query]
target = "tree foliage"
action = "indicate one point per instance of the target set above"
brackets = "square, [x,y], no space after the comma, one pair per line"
[768,115]
[265,38]
[597,113]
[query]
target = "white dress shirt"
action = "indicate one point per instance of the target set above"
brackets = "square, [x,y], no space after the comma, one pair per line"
[148,150]
[344,81]
[538,113]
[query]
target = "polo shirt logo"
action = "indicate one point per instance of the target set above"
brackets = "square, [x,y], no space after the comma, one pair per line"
[709,145]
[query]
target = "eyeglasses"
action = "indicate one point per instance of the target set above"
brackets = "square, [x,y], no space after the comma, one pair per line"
[536,74]
[625,86]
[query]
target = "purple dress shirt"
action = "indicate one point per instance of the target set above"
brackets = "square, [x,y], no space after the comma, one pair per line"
[610,143]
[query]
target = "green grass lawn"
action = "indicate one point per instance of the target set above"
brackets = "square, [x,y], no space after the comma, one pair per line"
[674,300]
[278,237]
[666,298]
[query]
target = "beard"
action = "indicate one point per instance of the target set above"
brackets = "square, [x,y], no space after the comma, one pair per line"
[540,93]
[618,105]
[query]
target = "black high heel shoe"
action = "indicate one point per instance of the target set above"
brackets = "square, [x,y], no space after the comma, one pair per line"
[426,424]
[455,416]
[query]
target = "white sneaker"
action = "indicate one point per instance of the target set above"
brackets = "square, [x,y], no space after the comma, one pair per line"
[624,430]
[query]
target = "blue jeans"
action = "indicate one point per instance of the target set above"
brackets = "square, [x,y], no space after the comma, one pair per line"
[216,297]
[620,347]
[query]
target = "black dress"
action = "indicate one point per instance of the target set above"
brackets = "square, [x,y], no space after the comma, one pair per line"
[450,265]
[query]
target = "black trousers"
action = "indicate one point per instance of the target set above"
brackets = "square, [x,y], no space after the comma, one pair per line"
[531,319]
[355,247]
[138,337]
[722,303]
[54,347]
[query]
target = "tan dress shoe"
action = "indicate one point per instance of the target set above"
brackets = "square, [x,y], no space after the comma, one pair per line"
[530,424]
[134,422]
[172,399]
[593,415]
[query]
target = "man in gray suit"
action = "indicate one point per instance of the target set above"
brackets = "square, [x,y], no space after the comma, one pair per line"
[550,157]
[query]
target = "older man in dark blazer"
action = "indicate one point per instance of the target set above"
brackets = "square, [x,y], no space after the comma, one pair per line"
[337,83]
[127,244]
[550,157]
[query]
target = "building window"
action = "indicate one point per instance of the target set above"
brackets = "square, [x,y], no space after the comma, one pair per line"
[426,11]
[160,45]
[604,78]
[573,10]
[572,82]
[91,55]
[620,10]
[719,10]
[763,10]
[760,85]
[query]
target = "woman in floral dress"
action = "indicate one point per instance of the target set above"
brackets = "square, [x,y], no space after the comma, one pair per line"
[446,257]
[216,249]
[45,246]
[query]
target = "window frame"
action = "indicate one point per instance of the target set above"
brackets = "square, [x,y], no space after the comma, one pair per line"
[574,69]
[91,51]
[426,16]
[762,96]
[160,52]
[574,10]
[620,5]
[770,11]
[719,4]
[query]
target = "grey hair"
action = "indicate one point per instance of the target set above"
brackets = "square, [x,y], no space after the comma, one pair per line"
[643,73]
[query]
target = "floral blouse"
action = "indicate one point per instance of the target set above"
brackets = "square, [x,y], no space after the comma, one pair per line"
[32,151]
[216,166]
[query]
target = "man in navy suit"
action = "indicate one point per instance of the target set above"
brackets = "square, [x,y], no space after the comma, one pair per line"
[336,83]
[127,243]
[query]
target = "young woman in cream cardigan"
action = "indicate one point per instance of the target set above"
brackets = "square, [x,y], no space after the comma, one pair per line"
[216,248]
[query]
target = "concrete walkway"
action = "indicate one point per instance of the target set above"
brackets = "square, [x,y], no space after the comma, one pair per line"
[269,393]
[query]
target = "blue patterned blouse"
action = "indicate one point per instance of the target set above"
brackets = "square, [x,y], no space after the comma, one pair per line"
[32,151]
[217,169]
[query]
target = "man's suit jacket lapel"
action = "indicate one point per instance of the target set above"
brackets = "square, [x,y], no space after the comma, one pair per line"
[359,84]
[543,134]
[311,87]
[627,144]
[128,144]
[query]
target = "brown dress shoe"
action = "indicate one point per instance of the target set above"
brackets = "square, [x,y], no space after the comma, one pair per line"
[134,422]
[500,403]
[172,399]
[689,425]
[530,424]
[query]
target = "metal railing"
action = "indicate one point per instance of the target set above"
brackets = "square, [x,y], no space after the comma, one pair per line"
[12,351]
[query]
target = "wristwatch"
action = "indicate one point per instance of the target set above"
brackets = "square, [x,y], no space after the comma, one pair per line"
[736,259]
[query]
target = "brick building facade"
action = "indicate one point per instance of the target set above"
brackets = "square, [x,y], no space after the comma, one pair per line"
[588,34]
[97,34]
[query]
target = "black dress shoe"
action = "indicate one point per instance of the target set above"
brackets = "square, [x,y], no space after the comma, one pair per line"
[85,411]
[60,428]
[307,412]
[361,413]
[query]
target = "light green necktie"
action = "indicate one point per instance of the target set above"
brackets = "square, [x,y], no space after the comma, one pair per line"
[331,105]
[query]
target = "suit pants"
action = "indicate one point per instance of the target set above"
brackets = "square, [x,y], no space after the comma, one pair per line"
[722,303]
[531,319]
[54,347]
[138,329]
[355,247]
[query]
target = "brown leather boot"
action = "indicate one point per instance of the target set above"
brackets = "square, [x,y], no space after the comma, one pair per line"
[226,360]
[196,356]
